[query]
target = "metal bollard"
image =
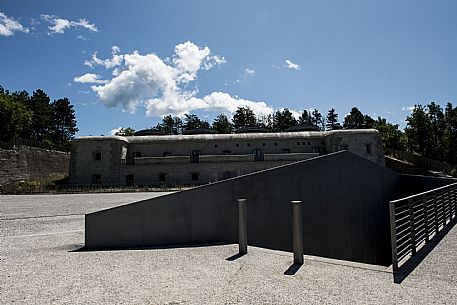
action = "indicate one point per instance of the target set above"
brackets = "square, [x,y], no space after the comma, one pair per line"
[242,226]
[297,232]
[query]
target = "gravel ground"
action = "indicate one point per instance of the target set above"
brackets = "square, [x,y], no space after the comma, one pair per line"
[39,265]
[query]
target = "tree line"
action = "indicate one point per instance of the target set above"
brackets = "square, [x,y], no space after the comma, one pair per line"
[35,117]
[430,131]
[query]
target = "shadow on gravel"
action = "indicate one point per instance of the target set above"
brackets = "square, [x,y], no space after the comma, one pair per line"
[85,249]
[292,269]
[422,253]
[235,257]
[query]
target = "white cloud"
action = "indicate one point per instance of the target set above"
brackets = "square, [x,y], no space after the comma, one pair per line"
[115,60]
[407,108]
[114,131]
[248,71]
[8,26]
[59,25]
[160,85]
[89,78]
[290,65]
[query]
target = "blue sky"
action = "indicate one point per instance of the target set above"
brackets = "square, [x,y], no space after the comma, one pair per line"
[207,57]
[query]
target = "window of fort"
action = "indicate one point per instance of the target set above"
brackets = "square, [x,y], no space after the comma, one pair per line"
[257,154]
[344,147]
[195,158]
[137,154]
[215,145]
[303,143]
[166,154]
[264,144]
[309,143]
[194,177]
[129,180]
[276,144]
[163,177]
[237,145]
[298,143]
[97,156]
[226,152]
[249,144]
[317,149]
[96,179]
[368,148]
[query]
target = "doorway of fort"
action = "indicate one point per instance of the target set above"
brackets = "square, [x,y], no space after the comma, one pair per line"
[195,157]
[257,152]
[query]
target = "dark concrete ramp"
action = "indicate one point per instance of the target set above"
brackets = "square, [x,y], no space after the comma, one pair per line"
[345,211]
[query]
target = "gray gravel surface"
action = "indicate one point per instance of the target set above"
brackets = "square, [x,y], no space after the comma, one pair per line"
[39,265]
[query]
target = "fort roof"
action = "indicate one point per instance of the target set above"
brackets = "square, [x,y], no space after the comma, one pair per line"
[232,136]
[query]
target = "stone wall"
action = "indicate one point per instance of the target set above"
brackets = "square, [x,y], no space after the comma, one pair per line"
[24,163]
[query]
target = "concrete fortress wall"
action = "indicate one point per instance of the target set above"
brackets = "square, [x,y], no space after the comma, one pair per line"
[24,163]
[345,211]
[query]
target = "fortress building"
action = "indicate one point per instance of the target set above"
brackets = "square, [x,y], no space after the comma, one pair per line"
[203,158]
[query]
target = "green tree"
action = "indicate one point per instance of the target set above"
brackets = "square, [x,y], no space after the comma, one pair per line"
[171,125]
[14,116]
[354,120]
[417,130]
[265,121]
[305,118]
[392,137]
[317,119]
[244,117]
[283,119]
[222,124]
[192,121]
[332,120]
[41,115]
[63,126]
[450,133]
[125,132]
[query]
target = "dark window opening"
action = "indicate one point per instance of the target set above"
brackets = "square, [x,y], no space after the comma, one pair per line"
[298,143]
[215,145]
[309,143]
[137,154]
[276,144]
[368,147]
[317,149]
[303,143]
[129,180]
[163,177]
[257,154]
[194,176]
[195,158]
[286,151]
[166,154]
[97,156]
[237,145]
[249,144]
[264,144]
[226,152]
[96,179]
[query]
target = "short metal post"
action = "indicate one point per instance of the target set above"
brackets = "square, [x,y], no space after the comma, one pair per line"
[242,226]
[412,225]
[425,209]
[297,232]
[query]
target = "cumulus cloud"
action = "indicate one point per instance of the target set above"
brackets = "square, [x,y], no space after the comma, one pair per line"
[115,60]
[89,78]
[114,131]
[160,85]
[59,25]
[290,65]
[248,71]
[8,26]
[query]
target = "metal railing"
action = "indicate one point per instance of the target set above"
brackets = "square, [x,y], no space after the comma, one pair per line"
[416,219]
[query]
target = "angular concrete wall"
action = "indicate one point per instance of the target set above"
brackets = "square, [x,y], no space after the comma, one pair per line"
[345,211]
